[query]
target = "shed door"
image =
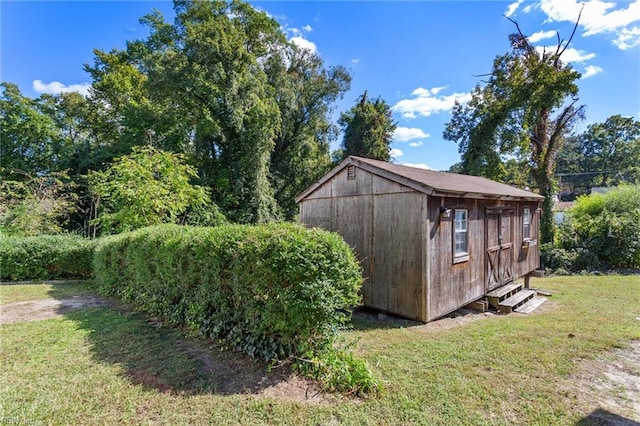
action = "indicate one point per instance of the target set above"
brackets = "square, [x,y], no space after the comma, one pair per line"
[499,238]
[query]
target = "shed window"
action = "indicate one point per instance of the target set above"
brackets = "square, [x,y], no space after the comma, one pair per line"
[460,235]
[526,224]
[351,172]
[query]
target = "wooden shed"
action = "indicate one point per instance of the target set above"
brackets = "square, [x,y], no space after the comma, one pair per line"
[429,242]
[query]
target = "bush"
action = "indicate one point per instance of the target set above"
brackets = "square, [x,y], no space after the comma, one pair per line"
[45,257]
[606,227]
[564,262]
[271,291]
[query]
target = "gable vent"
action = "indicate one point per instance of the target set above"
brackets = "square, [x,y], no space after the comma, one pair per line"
[351,172]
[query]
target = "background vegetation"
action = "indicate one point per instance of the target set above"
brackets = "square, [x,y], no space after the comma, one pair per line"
[600,232]
[46,257]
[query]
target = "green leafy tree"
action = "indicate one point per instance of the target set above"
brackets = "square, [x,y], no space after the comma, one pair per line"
[222,85]
[305,92]
[148,187]
[524,111]
[26,133]
[207,69]
[368,129]
[36,205]
[606,154]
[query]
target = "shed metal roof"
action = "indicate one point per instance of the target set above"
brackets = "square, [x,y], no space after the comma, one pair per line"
[430,181]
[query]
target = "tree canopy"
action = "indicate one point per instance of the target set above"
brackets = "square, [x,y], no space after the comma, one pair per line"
[220,85]
[524,111]
[368,128]
[606,154]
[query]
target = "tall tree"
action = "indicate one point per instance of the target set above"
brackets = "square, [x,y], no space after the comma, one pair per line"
[606,154]
[305,91]
[525,110]
[26,134]
[368,128]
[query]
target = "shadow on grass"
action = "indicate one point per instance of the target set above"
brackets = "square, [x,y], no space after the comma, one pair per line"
[165,359]
[606,418]
[371,319]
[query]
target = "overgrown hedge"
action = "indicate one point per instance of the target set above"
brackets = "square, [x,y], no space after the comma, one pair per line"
[601,232]
[273,291]
[45,257]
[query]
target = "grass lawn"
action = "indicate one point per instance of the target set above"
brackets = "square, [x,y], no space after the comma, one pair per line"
[11,293]
[107,366]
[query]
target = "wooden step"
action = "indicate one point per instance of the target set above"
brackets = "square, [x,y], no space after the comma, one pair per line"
[520,298]
[531,305]
[496,296]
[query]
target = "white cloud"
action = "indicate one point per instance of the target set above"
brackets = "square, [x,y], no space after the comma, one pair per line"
[403,134]
[598,17]
[628,38]
[355,61]
[541,35]
[307,28]
[426,102]
[511,9]
[55,87]
[415,144]
[569,55]
[591,70]
[395,153]
[303,43]
[417,165]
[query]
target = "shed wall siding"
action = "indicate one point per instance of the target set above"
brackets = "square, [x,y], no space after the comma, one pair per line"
[454,285]
[383,222]
[397,254]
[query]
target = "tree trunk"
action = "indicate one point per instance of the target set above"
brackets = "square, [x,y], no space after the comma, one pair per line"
[546,185]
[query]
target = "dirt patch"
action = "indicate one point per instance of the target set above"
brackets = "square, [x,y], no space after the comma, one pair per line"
[611,386]
[37,310]
[236,373]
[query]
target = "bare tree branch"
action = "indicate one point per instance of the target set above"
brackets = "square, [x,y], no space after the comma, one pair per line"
[575,27]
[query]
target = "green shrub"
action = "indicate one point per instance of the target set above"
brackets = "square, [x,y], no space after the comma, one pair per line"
[564,262]
[339,370]
[271,291]
[606,227]
[45,257]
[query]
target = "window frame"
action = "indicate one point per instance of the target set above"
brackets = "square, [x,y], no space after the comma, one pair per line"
[460,256]
[526,224]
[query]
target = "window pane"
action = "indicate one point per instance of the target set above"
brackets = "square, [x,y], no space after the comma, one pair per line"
[460,232]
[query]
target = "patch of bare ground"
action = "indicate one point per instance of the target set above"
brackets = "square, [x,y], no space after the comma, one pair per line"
[236,373]
[610,387]
[36,310]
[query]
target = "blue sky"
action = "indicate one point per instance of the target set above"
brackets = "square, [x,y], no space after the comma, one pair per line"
[419,56]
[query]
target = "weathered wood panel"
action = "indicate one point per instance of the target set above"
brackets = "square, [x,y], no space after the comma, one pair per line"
[316,213]
[385,186]
[324,191]
[353,220]
[397,254]
[453,285]
[342,186]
